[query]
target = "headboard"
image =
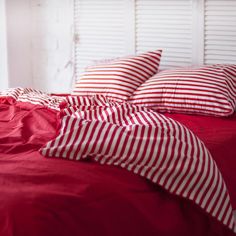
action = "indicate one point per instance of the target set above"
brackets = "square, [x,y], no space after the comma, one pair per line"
[190,32]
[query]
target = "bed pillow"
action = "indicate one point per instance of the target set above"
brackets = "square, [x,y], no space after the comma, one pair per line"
[118,79]
[206,90]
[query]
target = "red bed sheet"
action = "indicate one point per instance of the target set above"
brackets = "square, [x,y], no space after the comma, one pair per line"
[219,136]
[41,197]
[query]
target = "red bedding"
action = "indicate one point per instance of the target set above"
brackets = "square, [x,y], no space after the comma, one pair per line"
[42,196]
[219,135]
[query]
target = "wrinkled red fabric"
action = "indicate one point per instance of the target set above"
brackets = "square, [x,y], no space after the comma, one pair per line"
[42,197]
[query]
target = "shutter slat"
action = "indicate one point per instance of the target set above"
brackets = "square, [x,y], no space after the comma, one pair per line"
[166,25]
[220,31]
[100,31]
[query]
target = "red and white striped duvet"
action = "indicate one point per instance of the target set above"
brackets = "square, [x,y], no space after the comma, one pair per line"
[208,90]
[119,78]
[146,143]
[33,96]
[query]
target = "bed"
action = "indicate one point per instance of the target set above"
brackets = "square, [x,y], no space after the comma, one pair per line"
[43,192]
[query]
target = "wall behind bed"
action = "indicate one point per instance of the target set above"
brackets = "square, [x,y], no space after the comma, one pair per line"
[3,47]
[189,31]
[18,30]
[63,37]
[39,44]
[52,44]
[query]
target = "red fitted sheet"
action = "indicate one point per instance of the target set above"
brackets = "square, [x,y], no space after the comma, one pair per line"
[219,135]
[40,196]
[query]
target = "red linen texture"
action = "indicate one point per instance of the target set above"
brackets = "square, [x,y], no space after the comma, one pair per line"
[53,196]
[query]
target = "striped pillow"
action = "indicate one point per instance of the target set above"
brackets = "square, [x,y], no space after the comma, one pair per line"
[208,90]
[119,78]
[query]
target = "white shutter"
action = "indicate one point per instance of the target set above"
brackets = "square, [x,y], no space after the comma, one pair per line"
[168,25]
[189,31]
[220,31]
[100,31]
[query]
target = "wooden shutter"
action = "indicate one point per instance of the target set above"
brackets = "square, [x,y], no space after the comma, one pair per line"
[167,25]
[220,31]
[100,31]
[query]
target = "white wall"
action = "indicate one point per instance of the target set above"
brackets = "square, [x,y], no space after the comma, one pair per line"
[18,40]
[40,44]
[40,36]
[3,48]
[52,44]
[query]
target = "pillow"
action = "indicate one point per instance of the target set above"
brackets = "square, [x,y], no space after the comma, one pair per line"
[208,90]
[118,78]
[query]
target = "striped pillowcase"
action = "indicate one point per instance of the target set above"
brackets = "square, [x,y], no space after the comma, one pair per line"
[119,78]
[208,90]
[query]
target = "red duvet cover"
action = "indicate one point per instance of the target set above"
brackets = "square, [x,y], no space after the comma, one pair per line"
[41,196]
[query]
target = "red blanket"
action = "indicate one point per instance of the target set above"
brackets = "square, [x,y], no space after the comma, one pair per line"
[39,195]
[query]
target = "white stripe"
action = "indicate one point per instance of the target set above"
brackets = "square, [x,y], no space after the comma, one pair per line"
[219,203]
[207,182]
[102,136]
[65,137]
[216,194]
[203,175]
[105,144]
[72,138]
[94,138]
[148,150]
[86,139]
[167,158]
[72,154]
[113,144]
[141,150]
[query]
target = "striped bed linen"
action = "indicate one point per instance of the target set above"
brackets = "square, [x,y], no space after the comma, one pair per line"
[33,96]
[206,90]
[119,78]
[146,143]
[139,140]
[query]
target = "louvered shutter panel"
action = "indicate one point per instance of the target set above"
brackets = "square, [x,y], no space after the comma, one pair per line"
[220,31]
[100,31]
[167,25]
